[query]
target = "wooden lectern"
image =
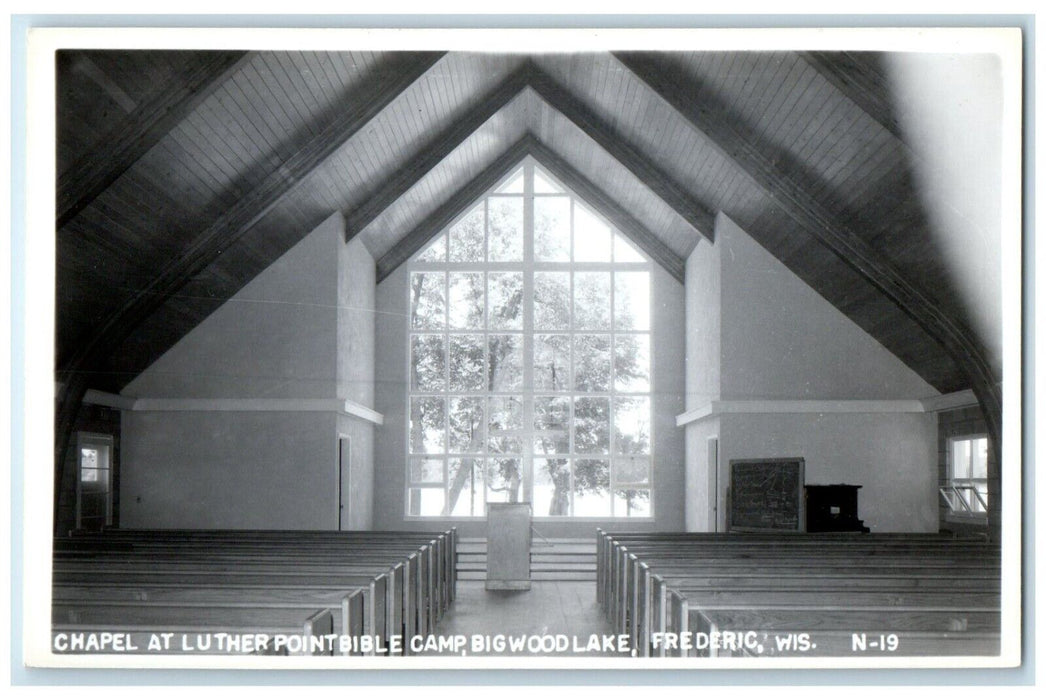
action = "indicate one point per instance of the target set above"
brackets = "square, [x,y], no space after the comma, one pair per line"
[508,546]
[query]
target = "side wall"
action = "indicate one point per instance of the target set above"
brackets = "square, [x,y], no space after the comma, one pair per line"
[667,358]
[302,329]
[780,340]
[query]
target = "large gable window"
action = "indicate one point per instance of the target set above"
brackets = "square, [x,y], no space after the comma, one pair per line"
[529,360]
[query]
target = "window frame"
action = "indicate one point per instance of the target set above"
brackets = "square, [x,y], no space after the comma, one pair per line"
[94,440]
[528,332]
[951,492]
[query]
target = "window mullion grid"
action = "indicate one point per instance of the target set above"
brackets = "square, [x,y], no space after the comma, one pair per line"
[527,443]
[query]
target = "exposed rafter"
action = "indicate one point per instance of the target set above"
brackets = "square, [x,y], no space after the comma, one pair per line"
[225,230]
[864,86]
[454,205]
[721,130]
[139,131]
[559,98]
[675,196]
[435,151]
[478,186]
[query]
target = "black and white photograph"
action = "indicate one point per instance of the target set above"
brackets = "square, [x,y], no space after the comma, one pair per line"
[459,349]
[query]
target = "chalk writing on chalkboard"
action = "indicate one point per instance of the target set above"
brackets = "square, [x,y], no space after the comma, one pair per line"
[766,494]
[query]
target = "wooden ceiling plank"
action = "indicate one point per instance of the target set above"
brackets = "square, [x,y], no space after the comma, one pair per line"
[236,220]
[952,333]
[143,128]
[435,222]
[693,212]
[862,85]
[437,149]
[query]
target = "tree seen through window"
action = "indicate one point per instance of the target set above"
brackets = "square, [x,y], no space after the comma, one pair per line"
[529,360]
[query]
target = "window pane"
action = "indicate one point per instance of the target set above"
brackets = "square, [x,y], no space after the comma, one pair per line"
[543,183]
[426,470]
[436,251]
[961,459]
[505,242]
[428,362]
[464,491]
[631,503]
[592,362]
[467,363]
[552,301]
[591,425]
[427,415]
[632,425]
[592,300]
[979,459]
[632,363]
[465,242]
[552,487]
[631,470]
[505,353]
[514,185]
[505,299]
[90,476]
[552,424]
[505,424]
[426,501]
[591,237]
[625,252]
[428,305]
[632,301]
[504,481]
[591,488]
[552,229]
[89,457]
[465,421]
[467,305]
[552,362]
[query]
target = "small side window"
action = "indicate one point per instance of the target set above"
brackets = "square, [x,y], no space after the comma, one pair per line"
[966,492]
[94,503]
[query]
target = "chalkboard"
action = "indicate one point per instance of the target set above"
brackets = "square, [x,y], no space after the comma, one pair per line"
[766,494]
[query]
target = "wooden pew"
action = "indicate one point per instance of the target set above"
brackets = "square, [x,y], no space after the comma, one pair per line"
[238,575]
[704,581]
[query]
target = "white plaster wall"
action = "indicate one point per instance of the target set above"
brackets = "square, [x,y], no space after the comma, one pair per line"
[703,328]
[355,344]
[700,476]
[276,337]
[304,328]
[782,340]
[892,457]
[779,339]
[228,470]
[358,493]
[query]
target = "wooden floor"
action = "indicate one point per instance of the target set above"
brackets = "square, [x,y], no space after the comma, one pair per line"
[553,608]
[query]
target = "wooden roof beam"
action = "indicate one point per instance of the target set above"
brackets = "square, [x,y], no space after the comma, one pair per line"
[221,233]
[446,212]
[859,82]
[438,148]
[489,176]
[721,131]
[559,98]
[139,131]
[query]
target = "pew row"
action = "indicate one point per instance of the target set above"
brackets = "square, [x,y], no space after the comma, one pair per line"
[935,595]
[256,582]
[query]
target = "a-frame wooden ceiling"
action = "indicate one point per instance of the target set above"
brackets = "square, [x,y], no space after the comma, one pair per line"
[183,174]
